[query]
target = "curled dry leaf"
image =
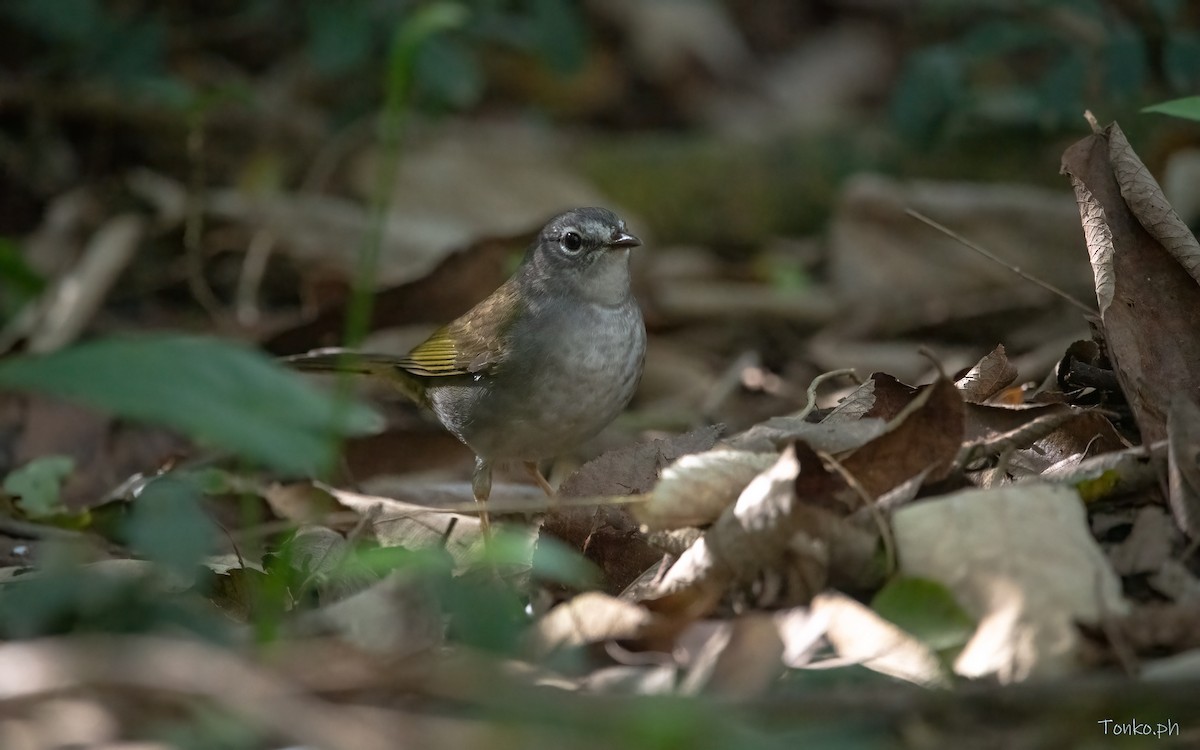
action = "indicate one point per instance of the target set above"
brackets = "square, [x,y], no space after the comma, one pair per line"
[1149,301]
[854,406]
[1109,474]
[1151,208]
[771,536]
[1022,562]
[696,489]
[594,617]
[863,637]
[987,377]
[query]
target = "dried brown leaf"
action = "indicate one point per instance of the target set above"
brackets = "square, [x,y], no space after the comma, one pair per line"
[854,406]
[924,437]
[609,535]
[987,377]
[1145,198]
[1149,303]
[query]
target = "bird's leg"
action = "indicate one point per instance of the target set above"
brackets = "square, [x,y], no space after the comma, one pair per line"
[532,468]
[481,488]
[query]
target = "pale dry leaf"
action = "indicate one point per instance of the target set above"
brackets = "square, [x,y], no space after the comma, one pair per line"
[825,436]
[592,617]
[396,617]
[1148,545]
[413,526]
[1099,243]
[72,303]
[1183,463]
[802,630]
[1110,474]
[697,488]
[1174,581]
[658,679]
[987,377]
[737,545]
[854,406]
[774,543]
[734,659]
[863,637]
[1022,562]
[1147,202]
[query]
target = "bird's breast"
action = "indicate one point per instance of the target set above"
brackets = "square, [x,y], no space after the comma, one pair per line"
[573,371]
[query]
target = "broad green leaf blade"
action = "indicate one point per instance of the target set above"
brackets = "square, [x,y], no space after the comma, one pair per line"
[927,610]
[1188,108]
[38,485]
[210,389]
[168,526]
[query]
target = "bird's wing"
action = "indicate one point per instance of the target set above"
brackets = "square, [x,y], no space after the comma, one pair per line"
[471,344]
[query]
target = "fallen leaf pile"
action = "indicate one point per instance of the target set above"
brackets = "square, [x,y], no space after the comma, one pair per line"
[915,545]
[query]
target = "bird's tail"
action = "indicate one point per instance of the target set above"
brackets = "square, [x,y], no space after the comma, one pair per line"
[347,361]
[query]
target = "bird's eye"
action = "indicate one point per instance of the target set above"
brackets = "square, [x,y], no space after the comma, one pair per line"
[571,242]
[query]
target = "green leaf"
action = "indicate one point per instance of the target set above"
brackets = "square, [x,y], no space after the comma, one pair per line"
[168,525]
[927,610]
[210,389]
[556,562]
[1187,108]
[38,485]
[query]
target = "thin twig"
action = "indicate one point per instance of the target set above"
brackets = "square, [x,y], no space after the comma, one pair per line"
[816,383]
[999,261]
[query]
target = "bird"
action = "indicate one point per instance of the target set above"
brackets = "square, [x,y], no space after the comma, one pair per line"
[539,366]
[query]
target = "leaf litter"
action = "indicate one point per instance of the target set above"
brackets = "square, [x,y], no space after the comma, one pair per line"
[983,527]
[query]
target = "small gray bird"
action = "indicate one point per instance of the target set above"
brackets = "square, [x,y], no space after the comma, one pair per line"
[543,364]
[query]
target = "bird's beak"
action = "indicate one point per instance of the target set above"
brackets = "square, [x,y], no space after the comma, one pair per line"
[624,239]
